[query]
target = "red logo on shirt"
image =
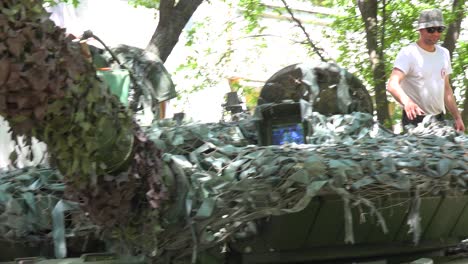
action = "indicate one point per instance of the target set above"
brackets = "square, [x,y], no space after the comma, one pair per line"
[443,73]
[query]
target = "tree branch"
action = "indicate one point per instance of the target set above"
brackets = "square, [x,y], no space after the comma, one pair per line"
[299,24]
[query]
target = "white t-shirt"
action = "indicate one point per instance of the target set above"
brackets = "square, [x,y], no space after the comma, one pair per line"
[425,76]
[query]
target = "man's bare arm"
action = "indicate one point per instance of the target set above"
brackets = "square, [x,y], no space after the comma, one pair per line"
[411,108]
[451,105]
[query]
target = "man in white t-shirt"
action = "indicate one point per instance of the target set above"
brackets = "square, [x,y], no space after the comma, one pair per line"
[420,77]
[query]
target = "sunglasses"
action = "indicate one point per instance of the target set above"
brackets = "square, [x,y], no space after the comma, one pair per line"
[434,29]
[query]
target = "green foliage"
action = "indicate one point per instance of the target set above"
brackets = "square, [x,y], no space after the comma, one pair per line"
[209,65]
[145,3]
[191,33]
[250,94]
[55,2]
[252,11]
[395,29]
[459,65]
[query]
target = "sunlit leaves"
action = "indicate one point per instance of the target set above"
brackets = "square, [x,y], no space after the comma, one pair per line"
[55,2]
[252,10]
[145,3]
[396,28]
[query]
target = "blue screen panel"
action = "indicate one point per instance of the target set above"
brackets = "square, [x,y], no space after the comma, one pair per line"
[293,133]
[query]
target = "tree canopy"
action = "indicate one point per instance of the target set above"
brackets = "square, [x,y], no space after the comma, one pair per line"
[367,35]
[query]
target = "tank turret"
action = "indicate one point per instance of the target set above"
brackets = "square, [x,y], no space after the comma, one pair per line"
[183,192]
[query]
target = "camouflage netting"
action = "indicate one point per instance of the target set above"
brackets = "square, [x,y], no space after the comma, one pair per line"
[27,198]
[328,87]
[220,182]
[151,82]
[49,91]
[228,182]
[32,205]
[212,182]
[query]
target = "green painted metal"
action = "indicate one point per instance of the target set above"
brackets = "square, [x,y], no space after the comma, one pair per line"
[317,233]
[328,224]
[93,259]
[394,212]
[118,81]
[11,250]
[429,207]
[446,217]
[360,228]
[461,226]
[296,234]
[392,253]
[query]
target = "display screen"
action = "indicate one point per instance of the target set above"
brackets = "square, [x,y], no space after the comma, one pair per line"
[292,133]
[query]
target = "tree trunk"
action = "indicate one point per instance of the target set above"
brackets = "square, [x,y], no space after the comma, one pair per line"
[369,10]
[172,19]
[465,103]
[453,29]
[451,37]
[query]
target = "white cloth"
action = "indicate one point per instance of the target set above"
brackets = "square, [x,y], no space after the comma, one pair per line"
[64,16]
[425,76]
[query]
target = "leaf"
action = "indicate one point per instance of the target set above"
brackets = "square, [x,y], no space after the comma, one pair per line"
[58,231]
[181,161]
[300,176]
[314,187]
[314,166]
[57,187]
[13,156]
[269,170]
[160,144]
[178,140]
[13,207]
[232,168]
[30,201]
[37,78]
[338,169]
[16,44]
[408,163]
[4,197]
[248,172]
[218,163]
[388,165]
[256,154]
[354,169]
[40,111]
[4,70]
[205,148]
[348,217]
[414,218]
[206,209]
[228,150]
[444,166]
[362,182]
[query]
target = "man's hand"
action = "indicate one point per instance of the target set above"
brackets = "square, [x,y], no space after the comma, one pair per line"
[412,110]
[459,125]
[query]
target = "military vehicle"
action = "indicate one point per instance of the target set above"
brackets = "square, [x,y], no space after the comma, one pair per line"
[285,185]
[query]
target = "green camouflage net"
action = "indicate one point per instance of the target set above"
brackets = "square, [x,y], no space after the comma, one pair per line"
[212,182]
[48,90]
[221,182]
[34,213]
